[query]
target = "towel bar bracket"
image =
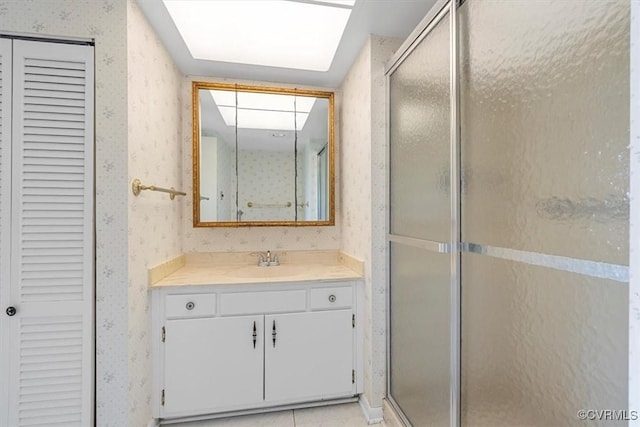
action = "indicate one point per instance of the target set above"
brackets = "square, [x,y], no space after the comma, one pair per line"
[137,187]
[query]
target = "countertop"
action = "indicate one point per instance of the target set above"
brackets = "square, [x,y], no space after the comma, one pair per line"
[205,273]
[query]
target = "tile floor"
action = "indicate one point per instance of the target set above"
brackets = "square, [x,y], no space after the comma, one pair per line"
[345,415]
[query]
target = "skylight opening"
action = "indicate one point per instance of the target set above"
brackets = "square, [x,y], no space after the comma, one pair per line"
[349,3]
[262,110]
[285,34]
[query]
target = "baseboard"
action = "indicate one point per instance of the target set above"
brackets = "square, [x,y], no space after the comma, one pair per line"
[391,418]
[259,410]
[372,415]
[153,423]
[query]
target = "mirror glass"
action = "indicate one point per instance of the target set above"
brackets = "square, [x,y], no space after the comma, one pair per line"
[262,156]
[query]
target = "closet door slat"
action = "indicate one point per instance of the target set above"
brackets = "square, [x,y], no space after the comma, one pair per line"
[52,235]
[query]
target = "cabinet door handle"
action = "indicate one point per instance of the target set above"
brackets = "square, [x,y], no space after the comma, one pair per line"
[255,334]
[273,334]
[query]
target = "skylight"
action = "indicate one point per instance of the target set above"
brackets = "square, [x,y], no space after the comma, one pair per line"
[274,33]
[342,2]
[263,111]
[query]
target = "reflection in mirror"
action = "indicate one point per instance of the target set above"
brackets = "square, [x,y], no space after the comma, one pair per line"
[262,158]
[217,159]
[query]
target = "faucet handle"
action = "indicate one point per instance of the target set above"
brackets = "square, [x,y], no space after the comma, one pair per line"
[266,259]
[262,260]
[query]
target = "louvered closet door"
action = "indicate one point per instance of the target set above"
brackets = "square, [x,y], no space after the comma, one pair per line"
[52,235]
[5,218]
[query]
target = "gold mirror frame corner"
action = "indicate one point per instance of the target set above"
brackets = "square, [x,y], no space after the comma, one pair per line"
[329,95]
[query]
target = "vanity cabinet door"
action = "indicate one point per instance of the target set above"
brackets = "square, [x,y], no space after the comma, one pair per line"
[312,356]
[212,364]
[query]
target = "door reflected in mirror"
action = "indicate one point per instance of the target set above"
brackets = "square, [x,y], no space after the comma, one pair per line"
[262,156]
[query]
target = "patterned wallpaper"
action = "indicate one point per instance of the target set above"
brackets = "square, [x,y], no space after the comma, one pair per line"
[154,231]
[248,238]
[105,21]
[266,177]
[381,51]
[364,200]
[355,128]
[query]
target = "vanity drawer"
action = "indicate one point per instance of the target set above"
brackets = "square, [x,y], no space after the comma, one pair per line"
[190,305]
[329,298]
[263,302]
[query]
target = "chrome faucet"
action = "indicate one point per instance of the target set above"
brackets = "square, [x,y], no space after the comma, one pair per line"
[266,260]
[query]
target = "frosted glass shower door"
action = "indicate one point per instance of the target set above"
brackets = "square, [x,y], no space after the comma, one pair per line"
[540,178]
[420,229]
[544,109]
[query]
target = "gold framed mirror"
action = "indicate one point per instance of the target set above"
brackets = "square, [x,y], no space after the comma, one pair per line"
[262,156]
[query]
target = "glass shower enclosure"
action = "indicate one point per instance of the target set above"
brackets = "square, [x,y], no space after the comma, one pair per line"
[508,133]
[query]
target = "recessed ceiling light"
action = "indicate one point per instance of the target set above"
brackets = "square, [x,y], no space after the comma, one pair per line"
[262,119]
[263,101]
[263,110]
[273,33]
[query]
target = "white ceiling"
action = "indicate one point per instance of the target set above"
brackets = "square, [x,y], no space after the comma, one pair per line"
[392,18]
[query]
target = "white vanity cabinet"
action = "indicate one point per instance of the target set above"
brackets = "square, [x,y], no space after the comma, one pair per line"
[309,357]
[234,348]
[212,363]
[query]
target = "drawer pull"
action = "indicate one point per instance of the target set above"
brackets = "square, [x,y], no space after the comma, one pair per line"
[186,306]
[331,298]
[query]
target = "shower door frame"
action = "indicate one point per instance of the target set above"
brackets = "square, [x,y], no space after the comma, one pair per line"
[437,12]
